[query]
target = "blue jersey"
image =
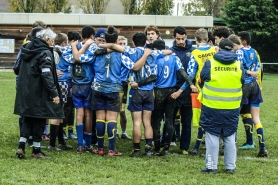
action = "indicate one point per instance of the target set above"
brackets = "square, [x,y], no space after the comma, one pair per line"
[108,71]
[63,65]
[167,68]
[82,72]
[149,67]
[249,59]
[124,74]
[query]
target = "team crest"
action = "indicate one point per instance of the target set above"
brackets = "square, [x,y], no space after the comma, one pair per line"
[108,56]
[188,54]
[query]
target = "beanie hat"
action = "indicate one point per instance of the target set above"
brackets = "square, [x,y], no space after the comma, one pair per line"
[226,44]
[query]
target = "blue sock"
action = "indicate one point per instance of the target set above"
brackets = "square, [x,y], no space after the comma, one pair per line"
[260,132]
[100,127]
[79,132]
[248,124]
[199,138]
[87,137]
[111,128]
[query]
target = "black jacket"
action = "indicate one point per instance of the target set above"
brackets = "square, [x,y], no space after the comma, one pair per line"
[35,90]
[184,54]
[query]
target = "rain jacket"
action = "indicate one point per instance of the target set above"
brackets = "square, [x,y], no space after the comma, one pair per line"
[35,90]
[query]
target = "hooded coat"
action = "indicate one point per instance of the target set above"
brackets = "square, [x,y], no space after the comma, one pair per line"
[184,54]
[219,122]
[36,89]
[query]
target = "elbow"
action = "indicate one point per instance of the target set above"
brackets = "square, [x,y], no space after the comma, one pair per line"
[135,69]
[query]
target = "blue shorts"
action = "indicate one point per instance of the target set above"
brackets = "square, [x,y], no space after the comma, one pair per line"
[251,93]
[81,95]
[106,101]
[140,100]
[64,88]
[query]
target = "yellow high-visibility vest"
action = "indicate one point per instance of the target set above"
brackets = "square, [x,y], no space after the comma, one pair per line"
[201,57]
[224,90]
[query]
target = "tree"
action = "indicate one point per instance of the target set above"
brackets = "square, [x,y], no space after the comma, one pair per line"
[259,18]
[93,6]
[27,6]
[39,6]
[133,6]
[204,7]
[158,7]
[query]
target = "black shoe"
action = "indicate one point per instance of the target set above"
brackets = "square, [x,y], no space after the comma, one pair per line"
[206,170]
[156,152]
[65,147]
[20,153]
[194,151]
[135,153]
[262,153]
[40,155]
[164,152]
[230,171]
[125,136]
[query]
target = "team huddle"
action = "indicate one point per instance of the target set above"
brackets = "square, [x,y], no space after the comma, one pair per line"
[95,72]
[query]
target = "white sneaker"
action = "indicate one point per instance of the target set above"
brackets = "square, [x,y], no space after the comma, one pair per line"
[173,144]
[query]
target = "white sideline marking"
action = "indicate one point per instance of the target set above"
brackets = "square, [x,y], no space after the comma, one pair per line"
[259,159]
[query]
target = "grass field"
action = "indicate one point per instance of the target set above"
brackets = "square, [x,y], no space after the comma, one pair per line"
[67,167]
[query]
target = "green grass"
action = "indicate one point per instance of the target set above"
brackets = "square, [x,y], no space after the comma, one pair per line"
[67,167]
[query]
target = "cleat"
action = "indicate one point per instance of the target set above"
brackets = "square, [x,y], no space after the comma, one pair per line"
[173,144]
[20,153]
[45,137]
[52,149]
[206,170]
[262,153]
[79,150]
[114,153]
[65,136]
[194,151]
[246,146]
[65,147]
[164,152]
[88,150]
[125,136]
[72,136]
[230,171]
[40,155]
[99,151]
[156,152]
[135,153]
[184,152]
[147,154]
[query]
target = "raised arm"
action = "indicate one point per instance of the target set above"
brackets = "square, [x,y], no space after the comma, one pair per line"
[112,46]
[139,64]
[85,46]
[75,53]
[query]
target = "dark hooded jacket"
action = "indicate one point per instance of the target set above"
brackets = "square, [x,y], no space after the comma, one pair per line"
[218,122]
[184,54]
[35,90]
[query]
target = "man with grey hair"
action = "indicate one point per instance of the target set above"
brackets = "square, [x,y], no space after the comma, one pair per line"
[37,95]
